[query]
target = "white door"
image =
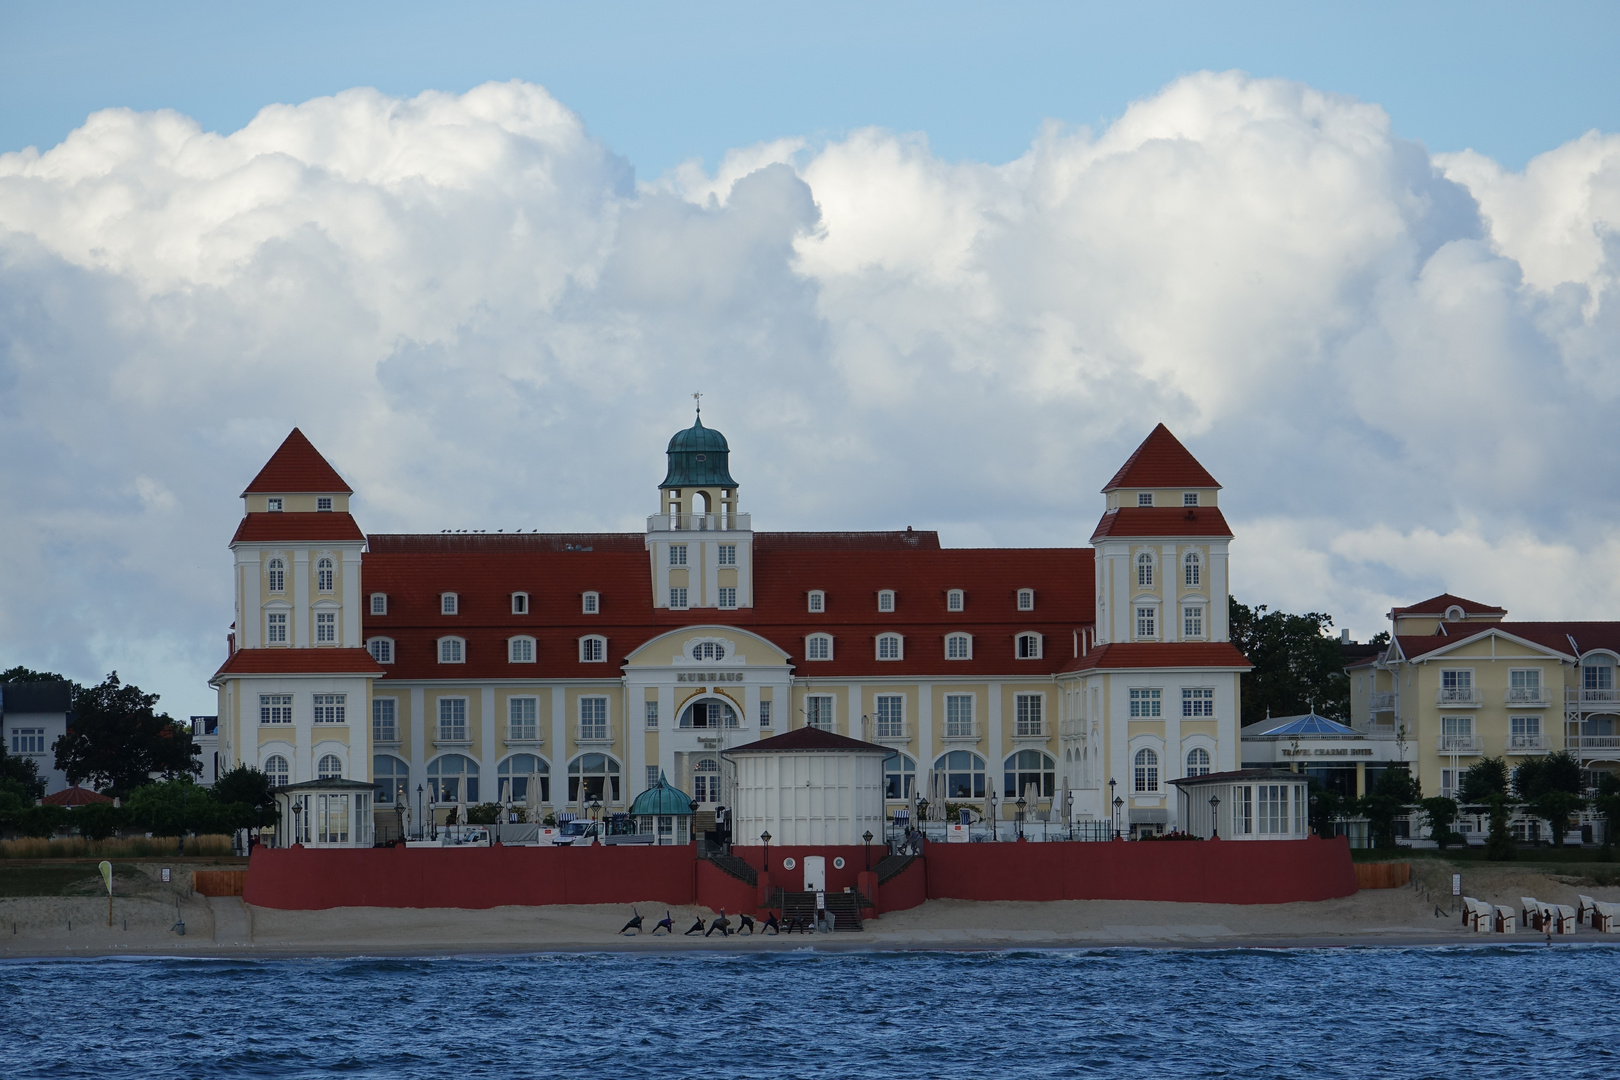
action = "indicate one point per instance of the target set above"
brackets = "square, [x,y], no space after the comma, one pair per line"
[815,873]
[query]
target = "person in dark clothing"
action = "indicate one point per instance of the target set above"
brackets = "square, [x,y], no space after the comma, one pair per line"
[745,922]
[697,927]
[633,924]
[771,924]
[721,923]
[666,923]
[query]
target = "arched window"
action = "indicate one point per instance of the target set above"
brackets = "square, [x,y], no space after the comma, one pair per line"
[521,777]
[520,603]
[1029,646]
[379,603]
[520,650]
[888,647]
[590,775]
[323,575]
[275,769]
[817,601]
[706,780]
[381,649]
[708,713]
[1026,599]
[818,647]
[277,573]
[1194,570]
[449,603]
[453,778]
[708,650]
[885,600]
[1144,570]
[1198,762]
[958,647]
[955,600]
[1147,770]
[591,603]
[1028,767]
[452,650]
[393,779]
[593,649]
[964,774]
[899,776]
[330,768]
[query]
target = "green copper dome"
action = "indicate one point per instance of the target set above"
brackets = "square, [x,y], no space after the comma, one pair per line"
[699,457]
[662,800]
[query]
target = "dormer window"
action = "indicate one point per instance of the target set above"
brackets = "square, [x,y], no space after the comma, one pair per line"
[1026,599]
[889,647]
[323,503]
[954,600]
[381,649]
[886,600]
[1029,647]
[520,650]
[452,650]
[1189,498]
[818,647]
[520,603]
[592,649]
[591,603]
[1454,613]
[448,603]
[1144,498]
[273,504]
[379,603]
[818,601]
[958,647]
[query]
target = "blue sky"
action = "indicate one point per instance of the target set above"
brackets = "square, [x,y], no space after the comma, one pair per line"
[661,83]
[932,264]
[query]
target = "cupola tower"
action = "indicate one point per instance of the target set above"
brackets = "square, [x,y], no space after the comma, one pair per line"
[700,545]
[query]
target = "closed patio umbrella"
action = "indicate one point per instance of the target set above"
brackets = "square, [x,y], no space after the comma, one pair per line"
[531,798]
[1062,805]
[990,809]
[916,799]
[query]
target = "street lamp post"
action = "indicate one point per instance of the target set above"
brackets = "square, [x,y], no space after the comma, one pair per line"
[1118,802]
[1214,817]
[298,832]
[1068,812]
[420,821]
[867,847]
[766,836]
[1020,818]
[593,807]
[1309,825]
[995,819]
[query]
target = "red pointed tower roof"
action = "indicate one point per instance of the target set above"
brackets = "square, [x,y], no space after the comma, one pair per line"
[1161,462]
[297,466]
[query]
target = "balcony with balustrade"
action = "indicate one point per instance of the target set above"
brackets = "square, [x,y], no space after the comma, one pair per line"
[1382,701]
[1527,697]
[657,523]
[1527,744]
[1457,744]
[962,731]
[887,732]
[1459,697]
[594,734]
[1590,700]
[1606,747]
[1030,731]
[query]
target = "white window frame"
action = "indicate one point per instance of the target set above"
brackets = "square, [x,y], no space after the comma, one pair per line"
[1144,569]
[726,554]
[275,572]
[885,601]
[517,725]
[520,603]
[1189,498]
[727,597]
[381,649]
[275,708]
[458,730]
[1198,702]
[590,603]
[27,740]
[1192,621]
[651,713]
[813,640]
[326,628]
[677,554]
[899,647]
[324,772]
[385,729]
[379,603]
[1199,768]
[449,604]
[959,726]
[820,711]
[1145,771]
[593,649]
[816,602]
[1146,622]
[1029,715]
[765,712]
[1026,599]
[1028,645]
[1144,498]
[677,598]
[1146,702]
[452,650]
[323,504]
[325,574]
[273,504]
[1192,570]
[958,646]
[601,727]
[278,769]
[331,708]
[955,600]
[276,627]
[521,649]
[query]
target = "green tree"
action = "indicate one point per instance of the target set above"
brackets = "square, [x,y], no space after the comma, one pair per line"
[21,774]
[97,821]
[174,808]
[1607,803]
[1485,785]
[1326,808]
[117,741]
[1395,791]
[244,798]
[22,674]
[1551,789]
[1440,813]
[1297,666]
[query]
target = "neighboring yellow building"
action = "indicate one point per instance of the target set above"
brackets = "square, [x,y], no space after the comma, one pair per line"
[1459,682]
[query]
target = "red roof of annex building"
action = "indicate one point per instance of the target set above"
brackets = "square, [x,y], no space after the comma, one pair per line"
[299,662]
[296,527]
[850,569]
[1437,605]
[1145,521]
[297,466]
[1569,638]
[1126,656]
[75,796]
[1161,462]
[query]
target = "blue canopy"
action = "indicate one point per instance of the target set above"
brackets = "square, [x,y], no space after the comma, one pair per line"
[1310,724]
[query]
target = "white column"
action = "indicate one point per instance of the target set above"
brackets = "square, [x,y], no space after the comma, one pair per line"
[992,730]
[299,632]
[853,714]
[491,731]
[250,618]
[925,730]
[559,744]
[352,609]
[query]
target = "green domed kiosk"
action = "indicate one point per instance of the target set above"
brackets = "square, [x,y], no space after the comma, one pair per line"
[664,811]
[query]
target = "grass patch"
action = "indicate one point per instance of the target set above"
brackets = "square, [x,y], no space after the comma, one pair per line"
[131,847]
[69,879]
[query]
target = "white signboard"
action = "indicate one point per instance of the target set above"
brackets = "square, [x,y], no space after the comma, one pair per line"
[1456,884]
[956,834]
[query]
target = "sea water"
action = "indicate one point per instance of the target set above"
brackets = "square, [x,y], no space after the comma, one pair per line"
[1463,1012]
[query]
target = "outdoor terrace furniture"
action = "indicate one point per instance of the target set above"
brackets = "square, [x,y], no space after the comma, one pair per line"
[1605,917]
[1532,912]
[1476,915]
[1583,909]
[1506,920]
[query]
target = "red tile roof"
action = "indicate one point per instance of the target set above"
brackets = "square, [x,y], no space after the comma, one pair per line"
[295,528]
[299,662]
[1556,636]
[75,796]
[1161,462]
[1138,655]
[806,738]
[1436,606]
[1163,521]
[297,466]
[484,570]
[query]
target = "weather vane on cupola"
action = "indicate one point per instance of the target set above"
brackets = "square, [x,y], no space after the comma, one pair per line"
[698,397]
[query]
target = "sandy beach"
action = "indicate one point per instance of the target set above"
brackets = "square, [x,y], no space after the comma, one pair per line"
[145,923]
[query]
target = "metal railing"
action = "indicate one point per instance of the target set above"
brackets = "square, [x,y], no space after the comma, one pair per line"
[1457,744]
[699,523]
[1027,730]
[1526,744]
[1383,701]
[1585,696]
[890,731]
[595,733]
[1527,695]
[963,731]
[1595,742]
[1459,695]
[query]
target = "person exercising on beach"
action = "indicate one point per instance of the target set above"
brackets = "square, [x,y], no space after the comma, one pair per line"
[721,923]
[666,923]
[633,924]
[771,924]
[697,928]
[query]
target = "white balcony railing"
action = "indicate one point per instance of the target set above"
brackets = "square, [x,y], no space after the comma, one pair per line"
[890,731]
[1459,696]
[595,733]
[699,523]
[1593,697]
[1027,730]
[1595,742]
[1527,695]
[961,731]
[1383,701]
[1457,744]
[1527,744]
